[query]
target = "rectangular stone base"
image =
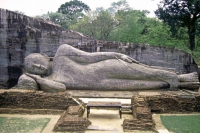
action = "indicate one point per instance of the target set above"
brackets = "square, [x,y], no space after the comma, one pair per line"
[71,123]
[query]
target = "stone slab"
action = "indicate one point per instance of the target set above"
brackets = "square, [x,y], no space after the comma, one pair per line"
[118,94]
[149,93]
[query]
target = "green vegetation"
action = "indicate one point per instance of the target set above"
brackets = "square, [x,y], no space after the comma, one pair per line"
[58,18]
[181,13]
[22,125]
[67,14]
[196,56]
[121,23]
[182,124]
[73,7]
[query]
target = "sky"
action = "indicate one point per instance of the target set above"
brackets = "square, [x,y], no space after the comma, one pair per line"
[39,7]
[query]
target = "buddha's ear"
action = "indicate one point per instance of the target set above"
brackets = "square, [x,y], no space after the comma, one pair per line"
[40,66]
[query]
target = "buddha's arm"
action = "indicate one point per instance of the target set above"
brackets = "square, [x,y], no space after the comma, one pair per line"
[48,85]
[85,57]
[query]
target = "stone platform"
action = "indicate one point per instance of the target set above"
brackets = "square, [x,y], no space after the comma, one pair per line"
[123,94]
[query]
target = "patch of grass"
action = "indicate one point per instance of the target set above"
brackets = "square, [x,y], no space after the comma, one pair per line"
[182,124]
[22,125]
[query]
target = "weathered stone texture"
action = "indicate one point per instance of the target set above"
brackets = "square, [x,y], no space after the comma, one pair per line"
[161,56]
[181,102]
[36,100]
[21,35]
[129,125]
[142,116]
[71,123]
[3,50]
[76,110]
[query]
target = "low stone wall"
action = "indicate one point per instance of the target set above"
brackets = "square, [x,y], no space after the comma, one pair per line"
[134,124]
[30,111]
[172,102]
[36,100]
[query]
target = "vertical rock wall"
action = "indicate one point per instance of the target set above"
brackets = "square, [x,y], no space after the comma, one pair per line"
[3,49]
[162,56]
[21,35]
[155,56]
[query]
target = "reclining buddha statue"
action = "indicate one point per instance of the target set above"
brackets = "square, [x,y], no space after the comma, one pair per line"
[72,68]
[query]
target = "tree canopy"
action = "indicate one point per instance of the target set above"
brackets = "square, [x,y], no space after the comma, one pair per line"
[121,23]
[67,14]
[73,7]
[181,13]
[58,18]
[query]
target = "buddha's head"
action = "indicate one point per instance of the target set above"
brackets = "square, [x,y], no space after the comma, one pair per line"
[37,64]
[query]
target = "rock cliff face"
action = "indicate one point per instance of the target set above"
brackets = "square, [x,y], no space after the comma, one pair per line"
[21,35]
[167,57]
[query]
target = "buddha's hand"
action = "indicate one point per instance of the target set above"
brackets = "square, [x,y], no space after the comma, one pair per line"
[128,59]
[35,77]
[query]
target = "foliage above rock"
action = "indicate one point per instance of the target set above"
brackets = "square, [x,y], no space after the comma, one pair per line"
[73,7]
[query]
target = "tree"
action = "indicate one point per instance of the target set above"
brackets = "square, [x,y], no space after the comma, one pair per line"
[73,7]
[180,13]
[98,24]
[119,10]
[58,18]
[156,33]
[86,26]
[105,23]
[130,23]
[121,5]
[74,10]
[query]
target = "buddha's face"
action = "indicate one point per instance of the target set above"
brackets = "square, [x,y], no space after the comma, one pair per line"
[37,64]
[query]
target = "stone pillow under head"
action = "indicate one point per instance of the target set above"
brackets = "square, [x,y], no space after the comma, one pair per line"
[26,83]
